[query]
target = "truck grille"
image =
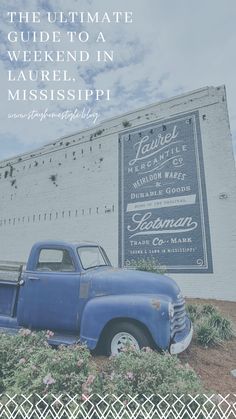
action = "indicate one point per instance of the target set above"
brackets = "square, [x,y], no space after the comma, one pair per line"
[178,322]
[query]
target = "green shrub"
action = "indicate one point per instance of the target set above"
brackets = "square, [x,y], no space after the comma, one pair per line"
[148,372]
[148,265]
[193,312]
[206,334]
[198,311]
[210,326]
[30,365]
[13,348]
[208,309]
[224,326]
[1,378]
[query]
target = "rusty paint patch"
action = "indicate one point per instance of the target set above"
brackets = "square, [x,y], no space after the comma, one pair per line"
[156,304]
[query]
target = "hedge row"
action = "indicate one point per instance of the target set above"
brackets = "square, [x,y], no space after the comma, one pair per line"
[29,365]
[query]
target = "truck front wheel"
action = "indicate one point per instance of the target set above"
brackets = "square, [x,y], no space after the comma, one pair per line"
[121,335]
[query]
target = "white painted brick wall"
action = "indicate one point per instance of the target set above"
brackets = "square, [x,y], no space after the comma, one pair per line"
[82,203]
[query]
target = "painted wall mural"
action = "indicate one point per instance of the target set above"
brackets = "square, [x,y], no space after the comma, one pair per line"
[163,203]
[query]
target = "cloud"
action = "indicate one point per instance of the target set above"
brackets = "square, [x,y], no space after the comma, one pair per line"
[11,145]
[171,48]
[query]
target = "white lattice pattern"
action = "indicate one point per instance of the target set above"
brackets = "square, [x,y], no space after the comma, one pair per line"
[156,406]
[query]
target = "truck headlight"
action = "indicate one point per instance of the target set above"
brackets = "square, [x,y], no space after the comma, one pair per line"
[171,310]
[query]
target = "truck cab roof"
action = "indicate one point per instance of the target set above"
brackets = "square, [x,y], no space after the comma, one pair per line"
[70,247]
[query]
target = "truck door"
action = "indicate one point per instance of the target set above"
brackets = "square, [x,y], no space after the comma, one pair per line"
[50,294]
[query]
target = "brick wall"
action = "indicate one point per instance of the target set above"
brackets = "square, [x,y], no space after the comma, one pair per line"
[69,190]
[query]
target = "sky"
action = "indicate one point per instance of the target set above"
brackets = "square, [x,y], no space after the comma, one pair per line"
[171,47]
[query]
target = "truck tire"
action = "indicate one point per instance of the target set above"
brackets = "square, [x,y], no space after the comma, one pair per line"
[123,333]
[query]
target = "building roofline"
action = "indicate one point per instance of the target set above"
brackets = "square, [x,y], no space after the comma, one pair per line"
[7,161]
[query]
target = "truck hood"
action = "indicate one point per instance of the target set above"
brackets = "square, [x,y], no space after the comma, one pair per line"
[112,281]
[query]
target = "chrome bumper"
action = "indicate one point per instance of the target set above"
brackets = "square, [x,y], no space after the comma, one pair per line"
[177,347]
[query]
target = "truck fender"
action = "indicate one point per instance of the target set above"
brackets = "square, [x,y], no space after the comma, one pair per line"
[151,311]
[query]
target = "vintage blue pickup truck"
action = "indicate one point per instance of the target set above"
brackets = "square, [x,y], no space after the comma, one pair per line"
[72,290]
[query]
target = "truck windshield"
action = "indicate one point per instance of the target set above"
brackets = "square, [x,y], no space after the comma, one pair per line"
[92,257]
